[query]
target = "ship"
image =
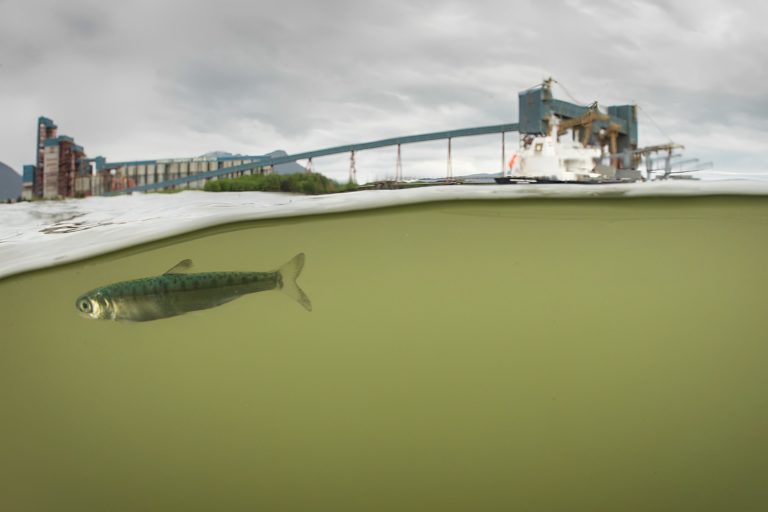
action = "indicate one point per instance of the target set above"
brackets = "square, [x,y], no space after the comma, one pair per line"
[545,159]
[602,146]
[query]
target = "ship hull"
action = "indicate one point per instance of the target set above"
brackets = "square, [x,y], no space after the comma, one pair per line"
[513,180]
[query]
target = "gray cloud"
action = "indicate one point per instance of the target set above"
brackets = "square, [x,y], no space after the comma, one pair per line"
[150,79]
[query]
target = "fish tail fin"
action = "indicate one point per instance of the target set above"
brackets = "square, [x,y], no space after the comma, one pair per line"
[289,273]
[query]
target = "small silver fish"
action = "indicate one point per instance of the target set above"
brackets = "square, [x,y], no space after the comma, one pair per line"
[177,292]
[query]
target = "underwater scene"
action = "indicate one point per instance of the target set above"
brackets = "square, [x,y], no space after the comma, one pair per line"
[543,354]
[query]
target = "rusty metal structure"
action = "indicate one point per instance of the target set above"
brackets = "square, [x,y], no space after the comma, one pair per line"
[616,129]
[59,161]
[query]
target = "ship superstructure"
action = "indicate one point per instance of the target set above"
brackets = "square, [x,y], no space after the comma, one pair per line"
[564,142]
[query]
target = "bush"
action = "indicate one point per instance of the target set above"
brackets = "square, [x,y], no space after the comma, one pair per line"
[310,184]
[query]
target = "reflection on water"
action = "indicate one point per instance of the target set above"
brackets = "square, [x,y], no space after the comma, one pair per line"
[546,355]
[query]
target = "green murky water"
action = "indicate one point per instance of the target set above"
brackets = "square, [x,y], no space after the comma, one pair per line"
[524,355]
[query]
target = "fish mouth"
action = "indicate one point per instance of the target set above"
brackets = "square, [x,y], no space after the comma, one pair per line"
[89,316]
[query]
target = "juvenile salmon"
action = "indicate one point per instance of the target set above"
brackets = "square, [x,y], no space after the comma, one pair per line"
[177,292]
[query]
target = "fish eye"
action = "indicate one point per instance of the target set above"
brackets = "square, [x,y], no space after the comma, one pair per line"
[85,305]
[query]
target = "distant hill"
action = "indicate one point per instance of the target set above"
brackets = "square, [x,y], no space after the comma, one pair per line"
[289,168]
[10,183]
[218,154]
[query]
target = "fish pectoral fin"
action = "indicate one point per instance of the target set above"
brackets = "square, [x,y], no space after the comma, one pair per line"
[181,267]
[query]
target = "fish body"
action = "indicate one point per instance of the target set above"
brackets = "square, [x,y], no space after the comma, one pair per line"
[177,292]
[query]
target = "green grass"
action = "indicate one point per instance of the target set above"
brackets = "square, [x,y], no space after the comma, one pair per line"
[170,190]
[310,184]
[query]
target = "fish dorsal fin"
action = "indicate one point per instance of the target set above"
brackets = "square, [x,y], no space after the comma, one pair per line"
[181,267]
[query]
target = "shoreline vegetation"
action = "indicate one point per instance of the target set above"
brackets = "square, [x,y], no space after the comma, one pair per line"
[309,184]
[298,183]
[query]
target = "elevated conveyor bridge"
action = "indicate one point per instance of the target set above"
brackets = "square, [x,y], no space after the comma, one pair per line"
[536,108]
[261,162]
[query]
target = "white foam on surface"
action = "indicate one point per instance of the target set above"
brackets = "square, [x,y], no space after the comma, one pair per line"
[46,233]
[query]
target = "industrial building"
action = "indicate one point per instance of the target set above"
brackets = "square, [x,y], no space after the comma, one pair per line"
[115,176]
[617,129]
[28,182]
[58,163]
[62,168]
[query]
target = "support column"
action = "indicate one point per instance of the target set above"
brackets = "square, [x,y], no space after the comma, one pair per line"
[503,154]
[399,165]
[352,168]
[450,160]
[648,166]
[309,169]
[668,164]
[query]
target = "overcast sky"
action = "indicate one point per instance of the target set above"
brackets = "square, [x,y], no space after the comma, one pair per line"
[156,79]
